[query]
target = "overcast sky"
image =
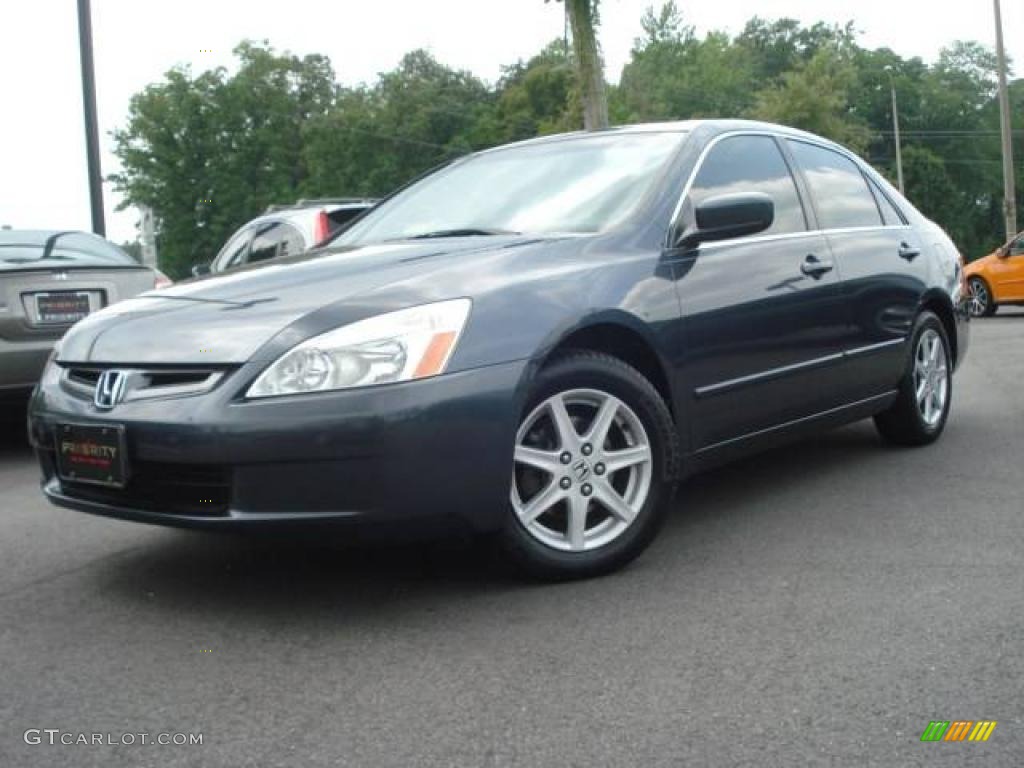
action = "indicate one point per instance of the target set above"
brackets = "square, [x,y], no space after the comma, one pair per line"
[42,157]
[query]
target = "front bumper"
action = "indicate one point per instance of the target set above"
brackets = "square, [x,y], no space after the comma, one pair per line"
[425,450]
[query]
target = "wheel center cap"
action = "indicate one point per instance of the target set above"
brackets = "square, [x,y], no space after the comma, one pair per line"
[581,469]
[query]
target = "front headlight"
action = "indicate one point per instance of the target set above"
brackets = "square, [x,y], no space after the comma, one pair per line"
[408,344]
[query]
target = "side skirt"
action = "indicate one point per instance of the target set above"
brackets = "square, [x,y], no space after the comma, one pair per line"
[755,442]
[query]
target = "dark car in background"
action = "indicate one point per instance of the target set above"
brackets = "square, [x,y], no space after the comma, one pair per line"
[285,230]
[538,341]
[49,280]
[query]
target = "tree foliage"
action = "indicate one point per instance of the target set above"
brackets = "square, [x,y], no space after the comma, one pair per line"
[208,151]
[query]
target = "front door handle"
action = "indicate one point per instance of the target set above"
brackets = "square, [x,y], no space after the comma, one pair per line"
[909,252]
[814,267]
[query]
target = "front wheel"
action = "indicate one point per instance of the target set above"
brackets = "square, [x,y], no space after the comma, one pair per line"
[593,469]
[922,407]
[980,300]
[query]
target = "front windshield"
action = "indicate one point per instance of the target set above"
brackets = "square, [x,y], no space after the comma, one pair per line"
[578,185]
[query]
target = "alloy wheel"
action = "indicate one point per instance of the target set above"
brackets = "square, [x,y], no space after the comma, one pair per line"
[931,377]
[978,298]
[582,470]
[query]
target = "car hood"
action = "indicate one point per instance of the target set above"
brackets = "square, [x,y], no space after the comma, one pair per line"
[224,319]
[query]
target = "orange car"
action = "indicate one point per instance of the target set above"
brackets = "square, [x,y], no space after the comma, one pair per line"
[997,278]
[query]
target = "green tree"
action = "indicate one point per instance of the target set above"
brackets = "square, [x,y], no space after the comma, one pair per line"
[673,75]
[209,152]
[815,97]
[537,97]
[774,48]
[415,117]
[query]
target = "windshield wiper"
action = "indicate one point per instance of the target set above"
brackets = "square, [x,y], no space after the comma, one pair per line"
[462,232]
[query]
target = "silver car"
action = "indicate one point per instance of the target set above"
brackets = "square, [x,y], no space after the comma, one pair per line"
[285,230]
[48,281]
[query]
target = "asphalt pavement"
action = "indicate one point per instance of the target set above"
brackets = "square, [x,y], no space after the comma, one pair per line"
[817,605]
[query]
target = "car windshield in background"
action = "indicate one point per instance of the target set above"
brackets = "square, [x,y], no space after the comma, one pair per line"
[33,249]
[578,185]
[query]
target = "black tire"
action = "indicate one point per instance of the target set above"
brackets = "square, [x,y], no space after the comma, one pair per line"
[588,370]
[978,285]
[904,423]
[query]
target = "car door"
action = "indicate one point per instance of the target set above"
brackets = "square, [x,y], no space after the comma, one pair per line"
[884,271]
[1008,273]
[762,316]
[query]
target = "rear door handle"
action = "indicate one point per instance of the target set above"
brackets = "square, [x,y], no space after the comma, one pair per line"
[909,252]
[814,267]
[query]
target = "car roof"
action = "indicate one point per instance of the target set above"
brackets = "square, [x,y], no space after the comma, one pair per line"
[713,126]
[330,204]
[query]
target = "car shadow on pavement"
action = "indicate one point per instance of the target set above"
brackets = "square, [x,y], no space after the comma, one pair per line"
[735,485]
[287,576]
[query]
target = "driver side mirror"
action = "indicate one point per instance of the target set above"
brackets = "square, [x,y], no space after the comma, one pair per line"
[727,216]
[198,270]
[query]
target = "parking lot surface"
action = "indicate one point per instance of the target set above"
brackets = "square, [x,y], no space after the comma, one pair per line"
[817,605]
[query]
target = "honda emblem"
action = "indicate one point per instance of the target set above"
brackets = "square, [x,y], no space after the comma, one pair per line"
[109,389]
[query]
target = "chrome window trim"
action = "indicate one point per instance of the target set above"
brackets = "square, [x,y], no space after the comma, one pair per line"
[677,211]
[795,236]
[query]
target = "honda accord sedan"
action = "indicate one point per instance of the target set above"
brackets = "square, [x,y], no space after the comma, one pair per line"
[536,341]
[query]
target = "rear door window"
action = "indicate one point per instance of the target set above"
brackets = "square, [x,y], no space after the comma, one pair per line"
[840,191]
[751,164]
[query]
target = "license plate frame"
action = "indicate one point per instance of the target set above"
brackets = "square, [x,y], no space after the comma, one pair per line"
[46,316]
[83,454]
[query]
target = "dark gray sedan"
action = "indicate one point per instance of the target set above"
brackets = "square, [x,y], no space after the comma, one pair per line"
[49,280]
[537,341]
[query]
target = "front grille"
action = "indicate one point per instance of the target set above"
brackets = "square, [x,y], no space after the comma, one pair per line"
[84,376]
[176,378]
[198,490]
[147,383]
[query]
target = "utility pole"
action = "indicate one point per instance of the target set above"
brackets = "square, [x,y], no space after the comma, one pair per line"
[1009,191]
[896,129]
[92,139]
[148,231]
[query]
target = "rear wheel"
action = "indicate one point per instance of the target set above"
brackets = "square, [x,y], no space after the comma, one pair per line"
[594,468]
[981,303]
[920,412]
